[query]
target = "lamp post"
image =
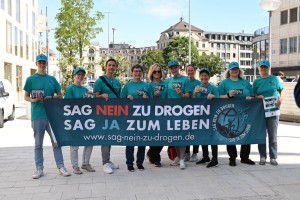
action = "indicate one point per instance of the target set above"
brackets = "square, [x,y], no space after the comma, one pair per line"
[190,46]
[225,57]
[108,12]
[270,6]
[113,29]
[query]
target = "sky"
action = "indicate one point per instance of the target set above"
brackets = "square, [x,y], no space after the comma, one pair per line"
[140,22]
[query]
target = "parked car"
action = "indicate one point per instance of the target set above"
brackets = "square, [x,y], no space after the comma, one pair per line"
[7,101]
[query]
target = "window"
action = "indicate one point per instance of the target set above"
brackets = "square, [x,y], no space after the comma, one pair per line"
[19,81]
[7,71]
[197,44]
[16,40]
[233,55]
[8,37]
[293,44]
[33,23]
[293,15]
[21,44]
[203,45]
[284,17]
[218,46]
[218,54]
[283,46]
[91,51]
[27,47]
[2,4]
[9,7]
[18,11]
[212,44]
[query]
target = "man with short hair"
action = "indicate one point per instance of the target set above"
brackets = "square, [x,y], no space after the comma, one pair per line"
[39,87]
[107,86]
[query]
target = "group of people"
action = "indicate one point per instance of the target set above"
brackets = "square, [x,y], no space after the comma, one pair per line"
[41,86]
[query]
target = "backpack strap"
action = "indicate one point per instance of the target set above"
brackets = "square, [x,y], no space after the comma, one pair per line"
[109,86]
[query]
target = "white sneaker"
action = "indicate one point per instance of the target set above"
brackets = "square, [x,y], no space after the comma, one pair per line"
[194,158]
[262,161]
[113,165]
[175,162]
[38,174]
[273,162]
[182,165]
[64,172]
[107,168]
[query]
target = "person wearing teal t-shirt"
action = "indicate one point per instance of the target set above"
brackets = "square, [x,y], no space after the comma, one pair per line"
[177,88]
[158,88]
[235,86]
[136,89]
[108,87]
[192,83]
[270,89]
[39,87]
[76,90]
[208,91]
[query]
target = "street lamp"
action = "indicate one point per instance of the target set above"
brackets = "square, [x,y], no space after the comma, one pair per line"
[270,6]
[108,12]
[113,29]
[190,46]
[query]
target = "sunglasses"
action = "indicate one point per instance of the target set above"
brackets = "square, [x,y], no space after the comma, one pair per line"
[156,72]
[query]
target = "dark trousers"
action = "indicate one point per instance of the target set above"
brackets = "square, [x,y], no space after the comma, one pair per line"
[140,155]
[214,151]
[154,153]
[195,149]
[244,153]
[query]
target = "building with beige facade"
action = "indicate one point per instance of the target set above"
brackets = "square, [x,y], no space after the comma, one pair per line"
[19,42]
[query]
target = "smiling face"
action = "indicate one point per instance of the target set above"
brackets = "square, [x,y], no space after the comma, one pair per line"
[111,68]
[156,73]
[174,70]
[42,66]
[137,73]
[79,77]
[190,71]
[234,72]
[204,77]
[264,71]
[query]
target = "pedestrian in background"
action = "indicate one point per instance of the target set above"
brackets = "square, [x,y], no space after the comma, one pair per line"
[158,89]
[192,83]
[208,91]
[177,88]
[270,89]
[280,76]
[297,93]
[235,86]
[136,89]
[77,90]
[38,88]
[108,87]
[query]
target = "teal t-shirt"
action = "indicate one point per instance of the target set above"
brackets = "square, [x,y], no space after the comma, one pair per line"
[242,87]
[74,91]
[191,86]
[136,90]
[40,84]
[267,87]
[161,86]
[209,89]
[174,82]
[100,86]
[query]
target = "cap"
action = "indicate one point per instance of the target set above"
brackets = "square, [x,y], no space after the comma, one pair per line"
[264,63]
[233,65]
[41,57]
[78,69]
[172,63]
[204,69]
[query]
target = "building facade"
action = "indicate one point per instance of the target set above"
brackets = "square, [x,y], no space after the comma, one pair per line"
[19,42]
[228,46]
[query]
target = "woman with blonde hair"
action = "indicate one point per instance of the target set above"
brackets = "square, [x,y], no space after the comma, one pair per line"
[158,88]
[235,86]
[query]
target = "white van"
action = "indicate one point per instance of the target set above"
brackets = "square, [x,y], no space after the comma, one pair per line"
[7,101]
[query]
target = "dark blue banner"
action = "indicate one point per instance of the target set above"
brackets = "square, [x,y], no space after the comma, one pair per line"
[156,122]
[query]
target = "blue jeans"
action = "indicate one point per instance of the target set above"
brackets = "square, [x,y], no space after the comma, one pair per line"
[272,125]
[39,127]
[86,155]
[140,155]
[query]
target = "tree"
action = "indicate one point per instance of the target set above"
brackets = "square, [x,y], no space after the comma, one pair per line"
[148,59]
[178,48]
[76,28]
[213,63]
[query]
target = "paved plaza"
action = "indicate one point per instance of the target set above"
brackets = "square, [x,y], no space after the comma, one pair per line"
[165,183]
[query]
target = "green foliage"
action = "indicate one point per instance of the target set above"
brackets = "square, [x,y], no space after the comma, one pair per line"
[148,59]
[178,48]
[213,63]
[76,28]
